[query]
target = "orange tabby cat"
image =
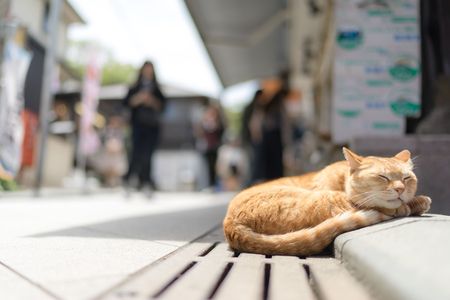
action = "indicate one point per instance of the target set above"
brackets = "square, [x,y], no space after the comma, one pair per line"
[302,215]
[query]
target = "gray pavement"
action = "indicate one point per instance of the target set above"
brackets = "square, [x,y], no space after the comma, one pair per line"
[72,246]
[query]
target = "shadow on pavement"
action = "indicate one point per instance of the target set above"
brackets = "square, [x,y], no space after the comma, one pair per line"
[185,225]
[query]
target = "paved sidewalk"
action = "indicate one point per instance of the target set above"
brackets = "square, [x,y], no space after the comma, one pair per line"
[72,246]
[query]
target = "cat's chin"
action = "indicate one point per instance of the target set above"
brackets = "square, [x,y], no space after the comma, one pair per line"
[393,203]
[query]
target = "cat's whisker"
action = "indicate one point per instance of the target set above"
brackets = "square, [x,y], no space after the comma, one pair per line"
[366,197]
[369,193]
[364,201]
[372,196]
[358,195]
[415,162]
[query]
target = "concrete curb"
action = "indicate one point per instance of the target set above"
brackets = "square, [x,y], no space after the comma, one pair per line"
[407,258]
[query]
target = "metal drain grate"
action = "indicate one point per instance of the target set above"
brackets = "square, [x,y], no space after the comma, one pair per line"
[205,270]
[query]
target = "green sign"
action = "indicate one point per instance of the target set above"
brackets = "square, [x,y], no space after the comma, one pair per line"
[404,69]
[348,113]
[404,107]
[385,125]
[349,38]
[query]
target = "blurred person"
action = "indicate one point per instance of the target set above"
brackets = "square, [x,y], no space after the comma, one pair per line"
[60,121]
[232,165]
[251,134]
[270,132]
[146,102]
[30,124]
[209,133]
[246,116]
[111,161]
[274,130]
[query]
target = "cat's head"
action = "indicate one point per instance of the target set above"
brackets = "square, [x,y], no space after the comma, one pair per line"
[384,182]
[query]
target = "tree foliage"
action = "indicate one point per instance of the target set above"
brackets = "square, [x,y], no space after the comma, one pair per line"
[113,71]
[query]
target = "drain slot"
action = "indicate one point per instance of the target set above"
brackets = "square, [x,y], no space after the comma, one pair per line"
[312,283]
[266,281]
[222,277]
[307,271]
[236,254]
[171,282]
[210,248]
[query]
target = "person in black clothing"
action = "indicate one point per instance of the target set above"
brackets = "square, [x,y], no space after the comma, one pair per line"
[146,103]
[268,128]
[252,118]
[211,129]
[272,142]
[246,117]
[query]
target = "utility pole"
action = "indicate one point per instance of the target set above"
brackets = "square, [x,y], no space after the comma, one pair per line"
[47,95]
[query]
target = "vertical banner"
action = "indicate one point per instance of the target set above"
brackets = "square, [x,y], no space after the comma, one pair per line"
[376,68]
[14,68]
[88,139]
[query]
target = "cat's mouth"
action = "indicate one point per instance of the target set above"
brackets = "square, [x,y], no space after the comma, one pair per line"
[396,199]
[395,202]
[391,203]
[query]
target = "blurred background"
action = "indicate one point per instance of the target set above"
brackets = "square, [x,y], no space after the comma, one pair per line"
[246,91]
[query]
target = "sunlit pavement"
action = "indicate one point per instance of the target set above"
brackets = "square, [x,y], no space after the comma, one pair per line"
[67,245]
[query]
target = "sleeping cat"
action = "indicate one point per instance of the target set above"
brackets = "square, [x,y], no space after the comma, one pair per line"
[302,215]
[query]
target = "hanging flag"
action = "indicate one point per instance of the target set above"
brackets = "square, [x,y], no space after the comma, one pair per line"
[16,61]
[89,141]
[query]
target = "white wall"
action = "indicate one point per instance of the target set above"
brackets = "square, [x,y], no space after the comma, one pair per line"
[31,14]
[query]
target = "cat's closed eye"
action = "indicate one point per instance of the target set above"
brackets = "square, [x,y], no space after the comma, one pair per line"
[406,178]
[384,177]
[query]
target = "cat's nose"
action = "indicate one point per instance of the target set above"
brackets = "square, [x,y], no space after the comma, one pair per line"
[399,188]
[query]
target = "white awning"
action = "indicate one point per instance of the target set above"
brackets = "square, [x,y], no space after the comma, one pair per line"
[245,39]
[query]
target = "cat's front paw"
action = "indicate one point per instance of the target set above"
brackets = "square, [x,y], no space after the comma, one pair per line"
[420,205]
[403,211]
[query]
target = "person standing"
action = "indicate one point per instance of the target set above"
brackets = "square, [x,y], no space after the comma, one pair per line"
[211,129]
[270,132]
[146,102]
[274,131]
[251,134]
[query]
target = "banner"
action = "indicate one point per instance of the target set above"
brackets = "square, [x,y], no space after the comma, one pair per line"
[15,65]
[376,67]
[89,141]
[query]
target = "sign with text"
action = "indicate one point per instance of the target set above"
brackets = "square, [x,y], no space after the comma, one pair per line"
[376,67]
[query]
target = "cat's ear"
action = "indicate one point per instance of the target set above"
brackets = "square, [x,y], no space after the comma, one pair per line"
[404,155]
[353,159]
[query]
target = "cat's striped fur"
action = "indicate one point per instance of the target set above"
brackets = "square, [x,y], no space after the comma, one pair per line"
[302,215]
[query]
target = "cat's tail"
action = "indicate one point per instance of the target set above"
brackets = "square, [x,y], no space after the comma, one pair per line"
[303,242]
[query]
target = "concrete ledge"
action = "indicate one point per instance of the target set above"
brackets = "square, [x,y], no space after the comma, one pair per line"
[407,258]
